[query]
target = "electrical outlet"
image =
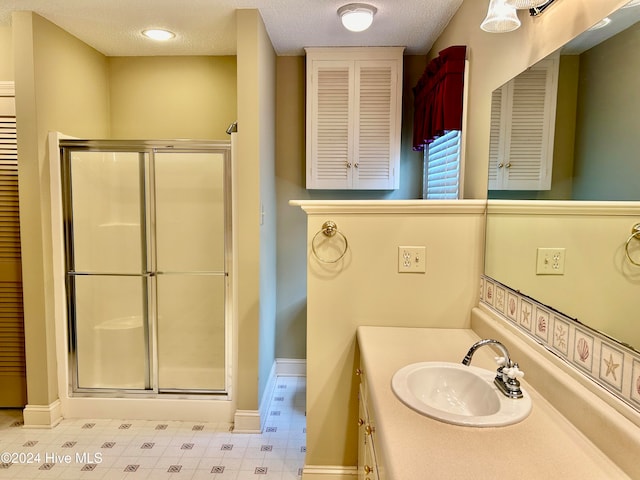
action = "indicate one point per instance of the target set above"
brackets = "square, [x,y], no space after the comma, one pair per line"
[412,259]
[550,261]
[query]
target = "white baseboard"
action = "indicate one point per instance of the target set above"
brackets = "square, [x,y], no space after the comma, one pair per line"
[329,472]
[291,367]
[42,416]
[247,421]
[252,421]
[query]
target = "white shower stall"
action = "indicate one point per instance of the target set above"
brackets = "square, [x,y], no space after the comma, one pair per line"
[147,252]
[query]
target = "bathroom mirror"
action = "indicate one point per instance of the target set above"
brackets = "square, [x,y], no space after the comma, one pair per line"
[595,181]
[595,133]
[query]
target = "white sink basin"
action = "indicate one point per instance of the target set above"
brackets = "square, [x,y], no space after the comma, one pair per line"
[458,394]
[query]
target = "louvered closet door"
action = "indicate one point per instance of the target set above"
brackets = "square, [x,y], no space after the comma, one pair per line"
[12,359]
[331,141]
[375,142]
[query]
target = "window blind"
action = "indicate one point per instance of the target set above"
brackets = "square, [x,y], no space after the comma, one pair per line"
[442,167]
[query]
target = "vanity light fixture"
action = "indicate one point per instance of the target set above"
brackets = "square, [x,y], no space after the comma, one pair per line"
[357,17]
[158,34]
[501,18]
[537,10]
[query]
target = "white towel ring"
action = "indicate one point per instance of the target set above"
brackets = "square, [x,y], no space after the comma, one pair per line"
[635,233]
[329,229]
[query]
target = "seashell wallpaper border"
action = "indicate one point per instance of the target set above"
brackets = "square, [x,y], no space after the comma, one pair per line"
[610,364]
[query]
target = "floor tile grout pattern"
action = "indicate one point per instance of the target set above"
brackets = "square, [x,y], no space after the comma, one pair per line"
[158,450]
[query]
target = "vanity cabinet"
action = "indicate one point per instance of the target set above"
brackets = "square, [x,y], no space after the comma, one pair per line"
[523,114]
[353,119]
[367,460]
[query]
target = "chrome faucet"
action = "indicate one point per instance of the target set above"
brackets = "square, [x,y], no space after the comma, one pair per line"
[508,372]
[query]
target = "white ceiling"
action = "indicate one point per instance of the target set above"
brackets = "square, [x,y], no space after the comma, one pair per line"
[207,27]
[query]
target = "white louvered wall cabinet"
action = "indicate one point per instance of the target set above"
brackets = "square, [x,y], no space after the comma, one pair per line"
[354,112]
[523,113]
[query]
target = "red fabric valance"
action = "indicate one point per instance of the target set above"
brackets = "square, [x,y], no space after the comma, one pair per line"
[438,97]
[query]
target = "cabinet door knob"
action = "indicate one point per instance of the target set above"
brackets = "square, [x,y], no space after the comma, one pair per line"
[508,165]
[368,469]
[355,164]
[360,422]
[368,430]
[358,372]
[348,164]
[500,165]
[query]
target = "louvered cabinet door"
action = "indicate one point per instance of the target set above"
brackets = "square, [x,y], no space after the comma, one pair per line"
[330,129]
[376,144]
[354,103]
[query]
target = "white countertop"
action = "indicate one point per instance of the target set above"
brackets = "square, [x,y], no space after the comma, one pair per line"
[411,446]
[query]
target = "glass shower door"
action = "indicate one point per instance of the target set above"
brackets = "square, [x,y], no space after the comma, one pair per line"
[147,248]
[191,232]
[106,269]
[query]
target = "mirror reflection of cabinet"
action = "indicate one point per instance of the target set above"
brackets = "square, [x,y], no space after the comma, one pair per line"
[523,115]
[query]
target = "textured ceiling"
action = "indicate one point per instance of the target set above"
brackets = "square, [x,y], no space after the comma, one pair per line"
[207,27]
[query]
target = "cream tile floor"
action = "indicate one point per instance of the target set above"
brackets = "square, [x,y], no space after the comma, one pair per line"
[158,450]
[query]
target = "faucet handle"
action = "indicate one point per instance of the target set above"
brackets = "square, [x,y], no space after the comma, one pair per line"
[513,372]
[501,361]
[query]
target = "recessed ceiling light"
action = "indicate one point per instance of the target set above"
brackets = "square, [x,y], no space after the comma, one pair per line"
[158,34]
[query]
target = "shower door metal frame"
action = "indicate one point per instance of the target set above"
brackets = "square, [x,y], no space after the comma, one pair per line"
[147,150]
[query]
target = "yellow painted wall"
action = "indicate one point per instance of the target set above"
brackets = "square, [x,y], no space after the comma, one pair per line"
[6,54]
[172,97]
[290,179]
[365,288]
[255,192]
[61,85]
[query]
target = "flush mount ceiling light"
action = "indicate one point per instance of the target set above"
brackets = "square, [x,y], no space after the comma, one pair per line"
[501,18]
[158,34]
[357,17]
